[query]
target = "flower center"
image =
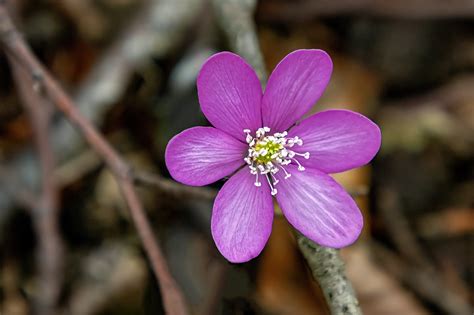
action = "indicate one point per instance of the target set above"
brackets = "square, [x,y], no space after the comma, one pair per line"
[268,148]
[268,154]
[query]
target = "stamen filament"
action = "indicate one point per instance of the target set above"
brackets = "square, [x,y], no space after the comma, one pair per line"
[305,155]
[287,175]
[257,183]
[273,189]
[300,167]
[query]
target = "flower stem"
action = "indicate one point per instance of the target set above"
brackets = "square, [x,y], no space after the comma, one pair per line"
[328,269]
[236,20]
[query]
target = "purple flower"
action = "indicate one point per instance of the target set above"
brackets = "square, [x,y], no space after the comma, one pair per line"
[257,140]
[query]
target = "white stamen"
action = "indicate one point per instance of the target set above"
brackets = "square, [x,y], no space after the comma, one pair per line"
[274,191]
[305,155]
[275,180]
[273,153]
[287,175]
[300,167]
[257,183]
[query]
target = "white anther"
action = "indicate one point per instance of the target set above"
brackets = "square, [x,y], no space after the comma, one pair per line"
[300,167]
[286,162]
[287,175]
[260,162]
[273,189]
[275,180]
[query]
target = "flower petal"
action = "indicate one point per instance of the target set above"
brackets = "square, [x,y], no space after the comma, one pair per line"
[242,217]
[230,94]
[294,86]
[201,155]
[337,140]
[319,207]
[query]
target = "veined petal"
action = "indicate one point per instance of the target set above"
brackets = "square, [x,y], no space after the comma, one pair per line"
[294,86]
[230,94]
[242,217]
[337,140]
[319,207]
[202,155]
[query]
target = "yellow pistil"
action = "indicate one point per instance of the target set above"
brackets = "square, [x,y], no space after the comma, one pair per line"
[270,147]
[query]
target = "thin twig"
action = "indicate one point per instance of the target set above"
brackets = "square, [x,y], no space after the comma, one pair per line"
[236,18]
[49,253]
[172,188]
[89,160]
[217,280]
[399,229]
[423,281]
[410,248]
[307,9]
[161,25]
[16,47]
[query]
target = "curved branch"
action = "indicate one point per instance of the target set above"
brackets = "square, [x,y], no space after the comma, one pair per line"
[16,48]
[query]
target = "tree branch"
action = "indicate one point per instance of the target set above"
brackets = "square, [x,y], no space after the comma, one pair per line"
[106,81]
[15,47]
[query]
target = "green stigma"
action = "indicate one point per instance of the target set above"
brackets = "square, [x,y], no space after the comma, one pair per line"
[271,148]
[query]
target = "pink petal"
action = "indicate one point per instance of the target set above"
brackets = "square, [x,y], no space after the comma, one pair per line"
[242,217]
[319,207]
[230,94]
[202,155]
[294,86]
[337,140]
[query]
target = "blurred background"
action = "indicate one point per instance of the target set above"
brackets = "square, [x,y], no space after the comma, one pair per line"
[131,66]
